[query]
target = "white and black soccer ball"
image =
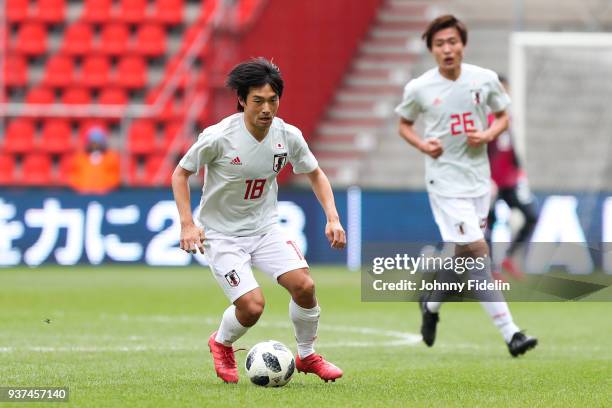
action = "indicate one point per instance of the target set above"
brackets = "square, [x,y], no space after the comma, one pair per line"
[270,364]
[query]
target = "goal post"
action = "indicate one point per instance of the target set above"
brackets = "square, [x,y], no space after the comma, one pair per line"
[557,72]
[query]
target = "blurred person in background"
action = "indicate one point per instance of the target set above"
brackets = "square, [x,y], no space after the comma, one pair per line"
[454,99]
[96,169]
[510,185]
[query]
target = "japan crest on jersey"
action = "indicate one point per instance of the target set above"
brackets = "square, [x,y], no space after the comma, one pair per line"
[476,96]
[232,278]
[279,162]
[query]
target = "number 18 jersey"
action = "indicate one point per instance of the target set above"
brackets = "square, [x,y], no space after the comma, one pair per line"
[449,109]
[239,196]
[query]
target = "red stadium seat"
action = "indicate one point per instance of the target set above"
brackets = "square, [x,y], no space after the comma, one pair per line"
[207,10]
[188,39]
[40,96]
[166,112]
[7,169]
[97,11]
[168,11]
[141,137]
[95,71]
[113,96]
[170,133]
[132,72]
[59,71]
[132,11]
[31,39]
[151,40]
[171,67]
[15,71]
[19,137]
[76,96]
[36,170]
[115,39]
[78,39]
[56,137]
[51,11]
[64,169]
[17,11]
[153,165]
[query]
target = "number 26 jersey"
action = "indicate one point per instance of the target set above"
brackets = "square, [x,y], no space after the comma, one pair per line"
[449,109]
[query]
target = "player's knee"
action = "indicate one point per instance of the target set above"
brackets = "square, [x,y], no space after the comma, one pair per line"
[255,309]
[251,314]
[305,288]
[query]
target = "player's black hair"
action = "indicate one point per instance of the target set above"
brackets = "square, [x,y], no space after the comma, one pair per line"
[441,23]
[256,72]
[502,78]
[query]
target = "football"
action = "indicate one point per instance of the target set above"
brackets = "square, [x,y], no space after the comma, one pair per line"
[270,364]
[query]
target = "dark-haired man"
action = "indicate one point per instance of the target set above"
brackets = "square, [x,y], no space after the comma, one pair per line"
[454,99]
[238,223]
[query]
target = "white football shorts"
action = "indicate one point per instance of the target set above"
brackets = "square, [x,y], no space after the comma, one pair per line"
[460,220]
[231,259]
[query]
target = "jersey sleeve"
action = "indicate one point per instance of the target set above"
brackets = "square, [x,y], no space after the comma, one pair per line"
[202,152]
[410,107]
[300,156]
[498,100]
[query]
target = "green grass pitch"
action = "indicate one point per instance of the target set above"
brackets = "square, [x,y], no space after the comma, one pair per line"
[136,337]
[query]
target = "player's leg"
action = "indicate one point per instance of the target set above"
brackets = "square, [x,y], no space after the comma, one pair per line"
[527,207]
[240,316]
[230,263]
[493,301]
[452,216]
[281,259]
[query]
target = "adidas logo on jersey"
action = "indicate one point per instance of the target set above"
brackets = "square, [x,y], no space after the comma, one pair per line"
[236,161]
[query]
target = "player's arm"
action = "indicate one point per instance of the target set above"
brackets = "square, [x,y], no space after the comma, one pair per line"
[430,147]
[322,189]
[192,237]
[498,125]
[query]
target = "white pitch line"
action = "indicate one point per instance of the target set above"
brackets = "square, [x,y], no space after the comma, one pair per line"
[398,339]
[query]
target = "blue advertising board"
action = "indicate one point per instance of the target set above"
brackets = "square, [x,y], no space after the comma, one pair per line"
[141,226]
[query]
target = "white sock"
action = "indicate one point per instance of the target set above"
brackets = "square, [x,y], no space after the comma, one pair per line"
[500,314]
[305,322]
[230,329]
[433,307]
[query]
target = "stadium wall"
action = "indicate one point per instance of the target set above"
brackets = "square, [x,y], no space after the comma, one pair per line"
[142,226]
[313,43]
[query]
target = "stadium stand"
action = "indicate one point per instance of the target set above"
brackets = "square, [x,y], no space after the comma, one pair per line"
[107,59]
[358,141]
[358,116]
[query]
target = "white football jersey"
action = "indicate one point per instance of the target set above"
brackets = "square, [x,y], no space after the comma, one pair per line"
[240,191]
[449,109]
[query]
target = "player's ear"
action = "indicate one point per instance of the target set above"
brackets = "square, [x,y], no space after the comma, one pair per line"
[242,102]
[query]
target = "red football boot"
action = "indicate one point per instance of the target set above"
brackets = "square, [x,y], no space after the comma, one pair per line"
[510,267]
[316,364]
[223,357]
[497,275]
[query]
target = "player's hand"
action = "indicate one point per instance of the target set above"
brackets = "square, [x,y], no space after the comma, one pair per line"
[432,148]
[477,138]
[192,239]
[335,234]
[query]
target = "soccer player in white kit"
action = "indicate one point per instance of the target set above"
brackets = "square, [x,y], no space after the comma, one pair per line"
[237,219]
[454,99]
